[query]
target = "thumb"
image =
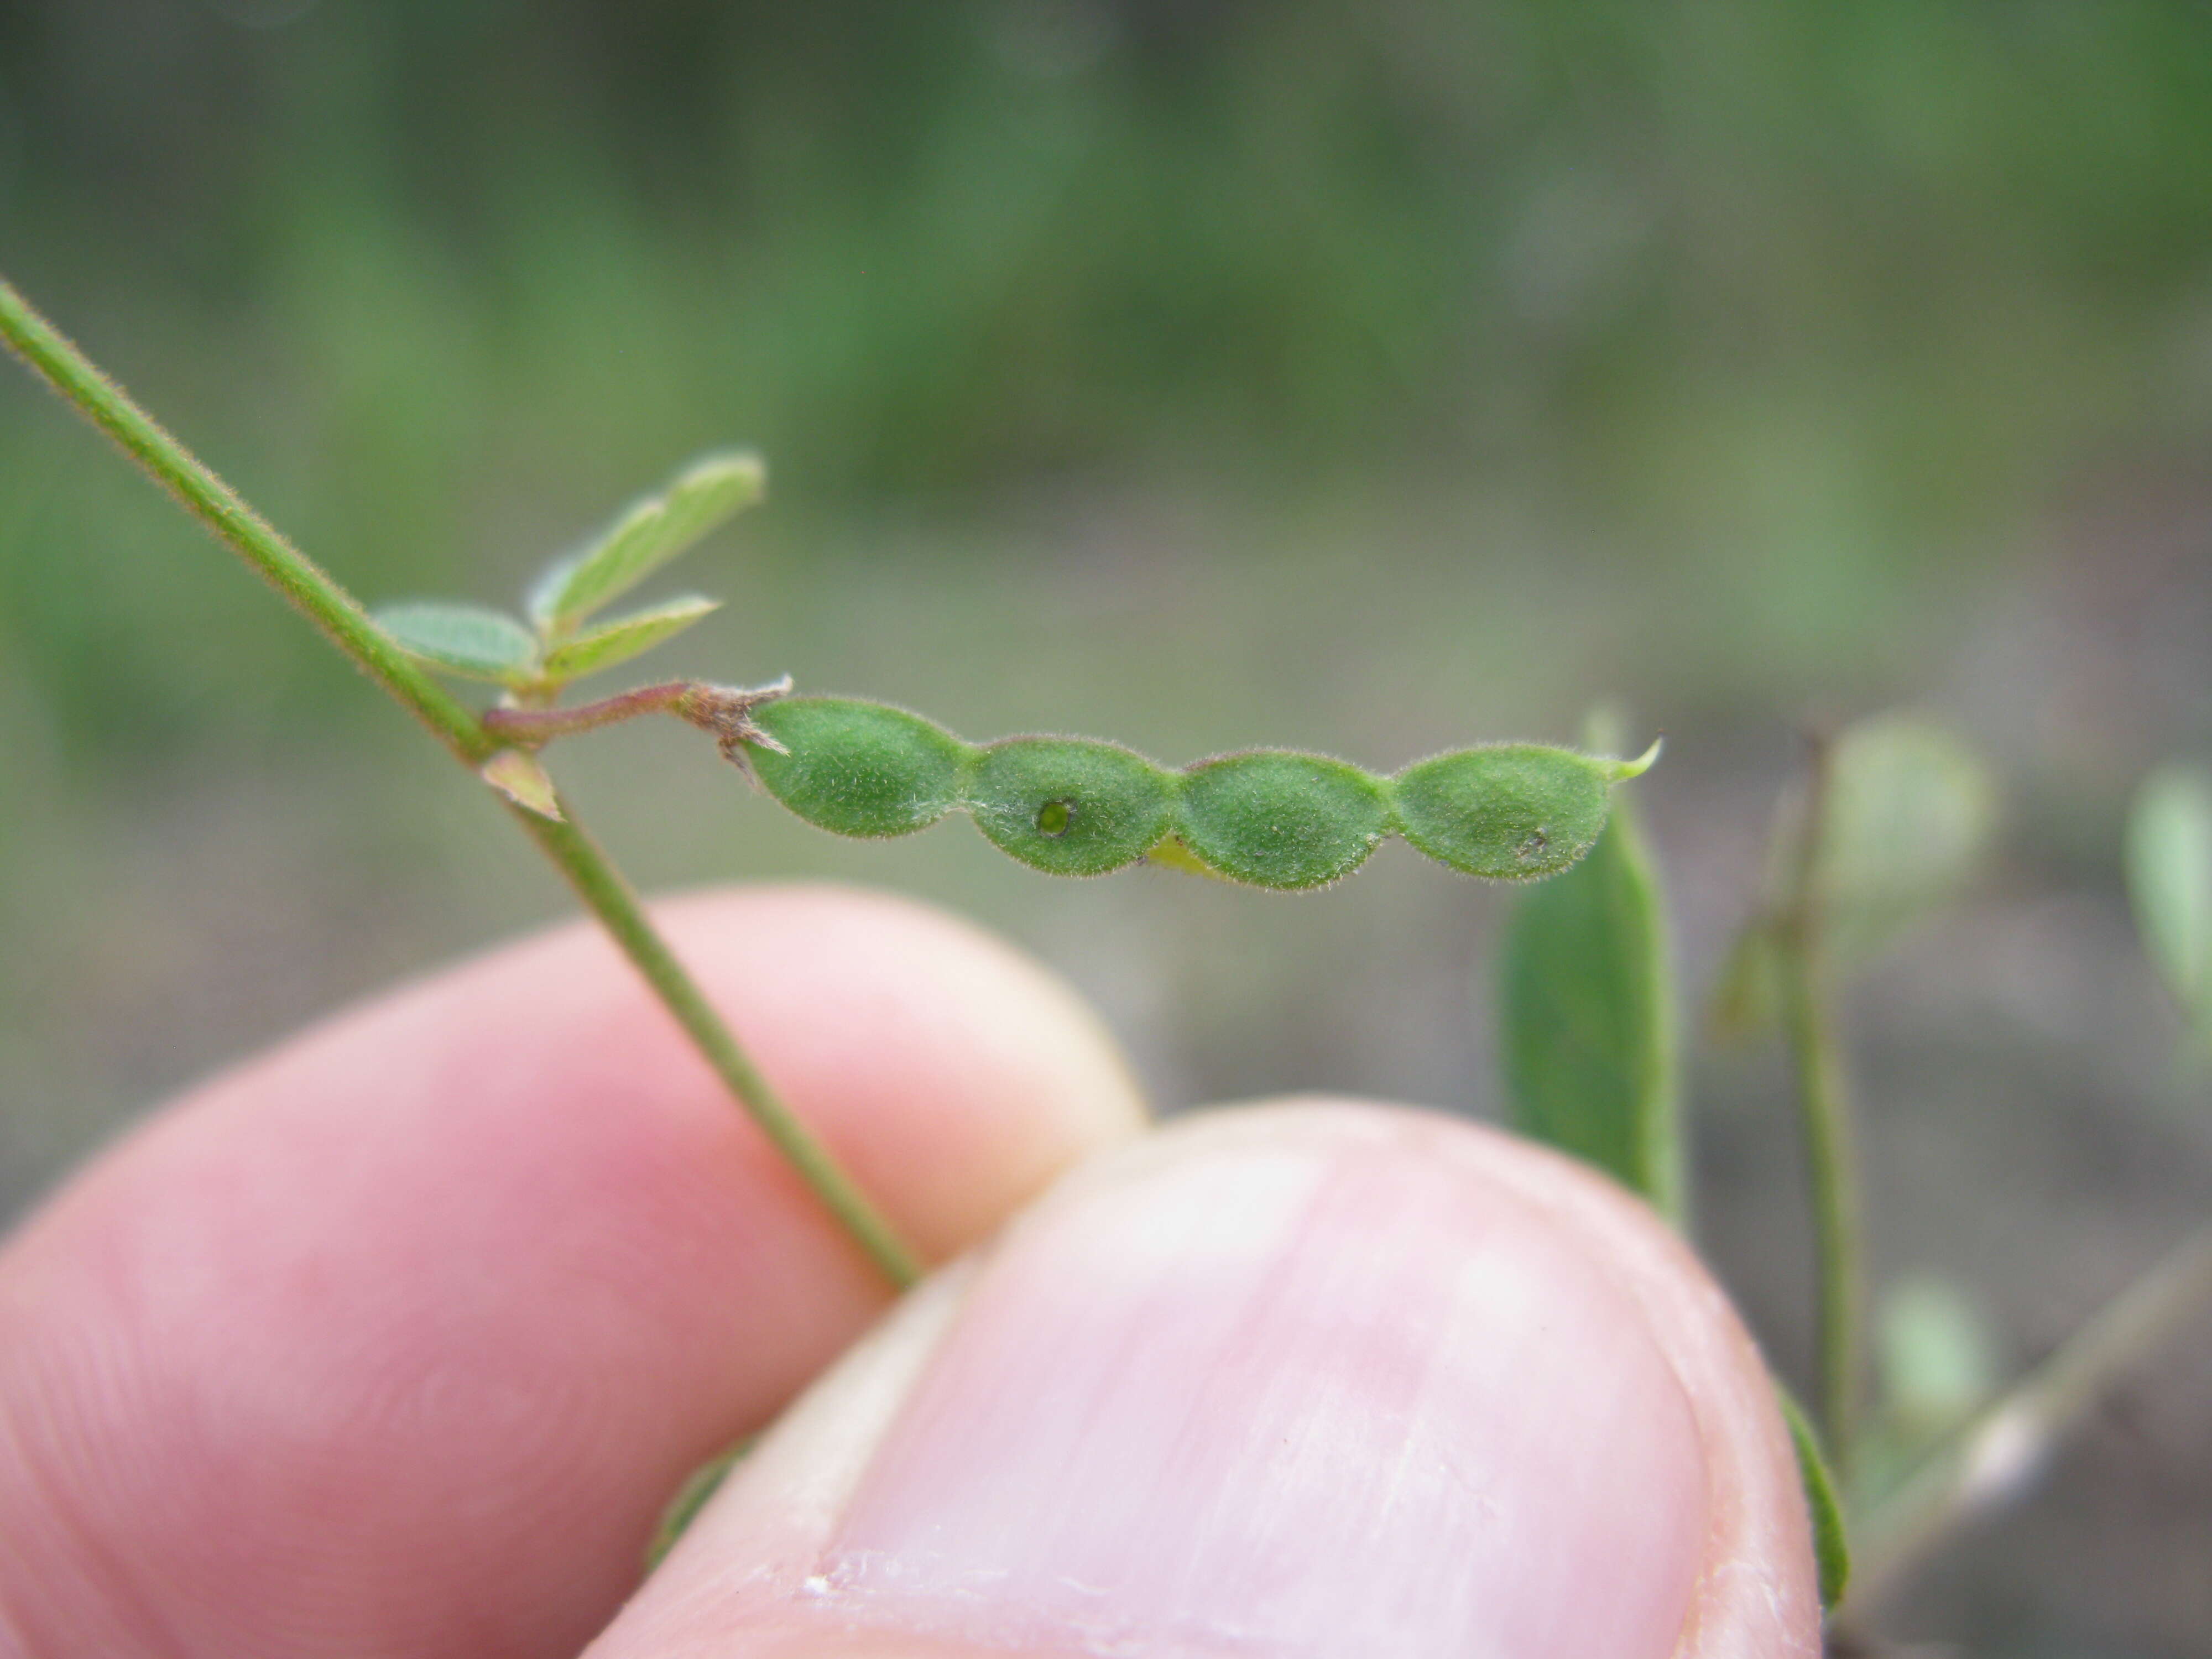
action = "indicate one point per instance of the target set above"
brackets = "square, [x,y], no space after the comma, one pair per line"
[1302,1380]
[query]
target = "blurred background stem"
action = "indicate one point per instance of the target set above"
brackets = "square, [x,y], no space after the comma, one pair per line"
[1824,1106]
[319,597]
[1990,1460]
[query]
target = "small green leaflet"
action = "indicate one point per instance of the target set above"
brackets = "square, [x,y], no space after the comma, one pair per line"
[1832,1548]
[489,645]
[625,637]
[647,537]
[1588,1018]
[463,639]
[2169,859]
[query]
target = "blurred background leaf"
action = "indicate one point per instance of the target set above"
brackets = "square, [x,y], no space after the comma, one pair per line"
[2170,880]
[1910,813]
[1937,1364]
[1587,1020]
[1935,1354]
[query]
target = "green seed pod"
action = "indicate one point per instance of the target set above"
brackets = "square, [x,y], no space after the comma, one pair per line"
[859,769]
[1070,806]
[1511,812]
[1276,818]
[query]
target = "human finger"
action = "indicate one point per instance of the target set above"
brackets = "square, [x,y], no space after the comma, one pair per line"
[393,1340]
[1314,1379]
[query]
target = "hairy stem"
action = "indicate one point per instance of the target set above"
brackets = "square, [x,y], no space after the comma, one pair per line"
[311,591]
[725,710]
[536,725]
[305,585]
[1824,1105]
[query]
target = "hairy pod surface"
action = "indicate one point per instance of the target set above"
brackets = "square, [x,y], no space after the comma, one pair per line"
[1512,811]
[1276,818]
[859,769]
[1070,806]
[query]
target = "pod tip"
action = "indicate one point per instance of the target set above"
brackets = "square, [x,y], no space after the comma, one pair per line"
[1624,770]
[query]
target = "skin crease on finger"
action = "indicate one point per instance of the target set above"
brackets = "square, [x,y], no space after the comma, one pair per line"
[395,1339]
[1320,1380]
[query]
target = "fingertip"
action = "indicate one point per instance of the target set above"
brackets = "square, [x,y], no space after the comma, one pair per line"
[1321,1377]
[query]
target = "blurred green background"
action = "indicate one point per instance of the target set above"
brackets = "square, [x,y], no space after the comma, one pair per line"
[1372,378]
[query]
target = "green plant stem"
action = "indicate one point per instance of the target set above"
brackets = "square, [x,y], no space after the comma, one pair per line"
[1991,1458]
[610,898]
[1832,1176]
[316,595]
[1831,1165]
[308,588]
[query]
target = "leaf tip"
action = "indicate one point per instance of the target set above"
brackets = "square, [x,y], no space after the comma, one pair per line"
[741,472]
[1831,1550]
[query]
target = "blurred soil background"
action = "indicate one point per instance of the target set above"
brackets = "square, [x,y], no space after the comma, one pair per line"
[1373,378]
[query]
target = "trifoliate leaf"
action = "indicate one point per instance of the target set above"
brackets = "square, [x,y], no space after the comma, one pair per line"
[463,639]
[647,537]
[625,637]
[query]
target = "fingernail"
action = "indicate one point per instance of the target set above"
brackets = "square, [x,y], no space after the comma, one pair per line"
[1260,1396]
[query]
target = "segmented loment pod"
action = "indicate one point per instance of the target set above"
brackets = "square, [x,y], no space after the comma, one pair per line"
[1270,817]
